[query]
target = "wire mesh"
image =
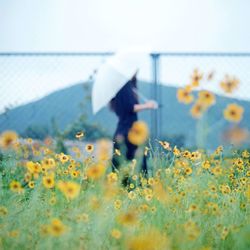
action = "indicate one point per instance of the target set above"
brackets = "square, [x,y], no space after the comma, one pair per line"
[29,77]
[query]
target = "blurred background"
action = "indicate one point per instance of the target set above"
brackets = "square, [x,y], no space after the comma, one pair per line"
[50,52]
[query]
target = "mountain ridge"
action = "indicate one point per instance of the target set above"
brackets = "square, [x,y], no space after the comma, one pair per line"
[65,106]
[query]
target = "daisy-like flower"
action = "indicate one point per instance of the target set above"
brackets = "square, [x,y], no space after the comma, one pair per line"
[233,112]
[112,177]
[165,145]
[151,239]
[128,218]
[70,189]
[184,96]
[31,184]
[96,171]
[206,98]
[197,110]
[79,134]
[3,211]
[8,139]
[138,134]
[89,148]
[229,84]
[57,228]
[115,233]
[63,158]
[49,181]
[188,171]
[196,78]
[16,186]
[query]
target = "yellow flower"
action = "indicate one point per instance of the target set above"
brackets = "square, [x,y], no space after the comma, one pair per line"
[196,77]
[112,177]
[96,171]
[79,135]
[45,230]
[131,195]
[31,184]
[197,110]
[245,154]
[188,171]
[14,233]
[89,148]
[52,200]
[57,228]
[192,230]
[151,181]
[138,134]
[49,181]
[176,151]
[224,233]
[195,155]
[117,204]
[15,186]
[206,165]
[217,170]
[233,112]
[74,173]
[103,149]
[165,145]
[83,217]
[3,211]
[128,219]
[206,98]
[153,209]
[229,84]
[48,163]
[186,154]
[33,167]
[63,158]
[115,233]
[8,138]
[219,150]
[225,189]
[149,240]
[184,96]
[70,189]
[27,177]
[192,208]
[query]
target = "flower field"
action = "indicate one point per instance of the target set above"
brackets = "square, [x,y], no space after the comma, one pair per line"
[189,200]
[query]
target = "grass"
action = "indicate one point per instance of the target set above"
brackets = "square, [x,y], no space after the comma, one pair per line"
[183,204]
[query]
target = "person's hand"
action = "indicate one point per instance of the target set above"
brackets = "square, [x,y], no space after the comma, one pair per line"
[151,104]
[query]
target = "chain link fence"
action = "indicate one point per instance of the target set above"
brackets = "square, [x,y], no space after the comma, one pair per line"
[38,89]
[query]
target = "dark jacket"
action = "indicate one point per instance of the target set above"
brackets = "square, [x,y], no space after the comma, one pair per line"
[123,105]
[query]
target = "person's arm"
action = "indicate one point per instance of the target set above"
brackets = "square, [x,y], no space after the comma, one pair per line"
[147,105]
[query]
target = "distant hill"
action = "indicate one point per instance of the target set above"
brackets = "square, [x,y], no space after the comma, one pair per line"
[64,107]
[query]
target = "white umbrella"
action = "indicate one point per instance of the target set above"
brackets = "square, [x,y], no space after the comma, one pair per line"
[113,75]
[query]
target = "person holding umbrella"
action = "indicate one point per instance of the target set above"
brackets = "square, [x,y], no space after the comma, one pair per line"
[115,84]
[126,106]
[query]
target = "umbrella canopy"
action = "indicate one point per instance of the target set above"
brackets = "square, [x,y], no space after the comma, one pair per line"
[113,75]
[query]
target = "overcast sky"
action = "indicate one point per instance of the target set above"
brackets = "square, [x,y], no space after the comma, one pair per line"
[100,25]
[108,25]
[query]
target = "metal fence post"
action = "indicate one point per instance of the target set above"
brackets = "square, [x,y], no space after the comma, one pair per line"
[155,95]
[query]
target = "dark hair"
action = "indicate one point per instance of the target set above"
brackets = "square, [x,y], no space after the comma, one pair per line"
[111,104]
[132,83]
